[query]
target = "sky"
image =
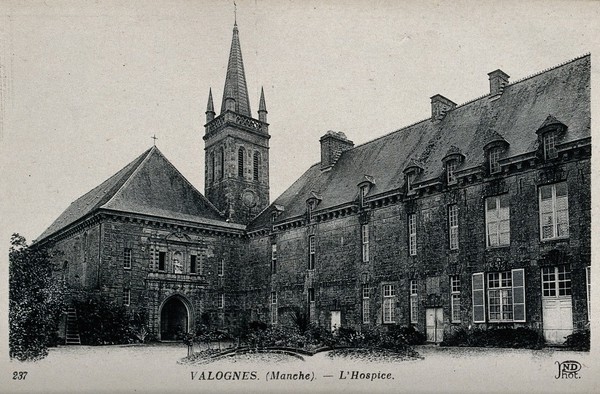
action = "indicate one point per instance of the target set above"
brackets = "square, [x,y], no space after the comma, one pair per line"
[85,85]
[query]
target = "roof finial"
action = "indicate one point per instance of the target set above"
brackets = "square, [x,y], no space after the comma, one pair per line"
[234,14]
[154,137]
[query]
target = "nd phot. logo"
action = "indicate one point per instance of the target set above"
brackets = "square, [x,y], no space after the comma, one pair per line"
[568,369]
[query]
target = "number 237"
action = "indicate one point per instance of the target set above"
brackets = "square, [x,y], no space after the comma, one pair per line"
[19,375]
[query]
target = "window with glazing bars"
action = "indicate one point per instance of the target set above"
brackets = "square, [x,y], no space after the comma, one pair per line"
[453,226]
[554,211]
[412,234]
[365,242]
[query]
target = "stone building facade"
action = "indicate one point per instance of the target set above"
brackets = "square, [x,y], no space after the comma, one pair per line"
[479,216]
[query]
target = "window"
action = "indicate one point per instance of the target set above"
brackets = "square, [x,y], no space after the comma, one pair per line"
[127,258]
[273,217]
[311,294]
[221,163]
[414,306]
[213,163]
[549,141]
[177,263]
[389,301]
[255,165]
[410,179]
[554,211]
[311,252]
[556,281]
[505,296]
[365,242]
[221,301]
[126,297]
[274,258]
[588,277]
[273,307]
[497,219]
[193,264]
[241,162]
[161,261]
[455,298]
[365,303]
[450,168]
[364,190]
[221,268]
[65,270]
[453,226]
[412,234]
[494,157]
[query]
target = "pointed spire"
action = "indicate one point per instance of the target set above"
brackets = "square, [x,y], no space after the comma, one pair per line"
[235,81]
[209,106]
[262,107]
[210,109]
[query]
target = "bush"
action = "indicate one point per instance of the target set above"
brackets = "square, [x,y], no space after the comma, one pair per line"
[579,340]
[35,301]
[521,337]
[102,323]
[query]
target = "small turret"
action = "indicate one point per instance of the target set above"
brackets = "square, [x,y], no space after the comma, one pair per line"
[210,109]
[262,107]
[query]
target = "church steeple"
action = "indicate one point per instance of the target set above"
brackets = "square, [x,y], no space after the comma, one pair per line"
[237,147]
[235,82]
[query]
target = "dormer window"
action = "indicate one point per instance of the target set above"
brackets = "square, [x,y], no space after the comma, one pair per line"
[273,216]
[450,169]
[494,149]
[311,203]
[309,208]
[364,187]
[549,136]
[494,160]
[411,171]
[549,142]
[364,190]
[451,161]
[410,181]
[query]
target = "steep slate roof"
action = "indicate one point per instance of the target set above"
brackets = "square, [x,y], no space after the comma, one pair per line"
[563,91]
[149,185]
[235,81]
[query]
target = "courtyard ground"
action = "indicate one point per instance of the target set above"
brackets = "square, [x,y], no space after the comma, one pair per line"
[157,368]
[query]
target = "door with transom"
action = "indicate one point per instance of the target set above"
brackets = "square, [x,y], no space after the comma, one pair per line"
[557,305]
[434,324]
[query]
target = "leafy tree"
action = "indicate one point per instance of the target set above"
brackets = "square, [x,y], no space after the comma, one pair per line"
[35,300]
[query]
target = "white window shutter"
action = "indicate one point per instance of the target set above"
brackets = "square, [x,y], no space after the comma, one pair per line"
[518,283]
[478,298]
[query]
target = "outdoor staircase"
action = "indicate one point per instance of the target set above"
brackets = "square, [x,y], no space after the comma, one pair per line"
[72,329]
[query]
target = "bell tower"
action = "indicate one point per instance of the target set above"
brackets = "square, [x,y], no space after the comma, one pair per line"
[236,146]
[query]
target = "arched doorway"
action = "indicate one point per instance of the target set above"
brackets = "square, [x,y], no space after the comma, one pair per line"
[174,319]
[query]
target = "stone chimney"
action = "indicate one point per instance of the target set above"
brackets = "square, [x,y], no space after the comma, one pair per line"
[333,143]
[498,80]
[439,106]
